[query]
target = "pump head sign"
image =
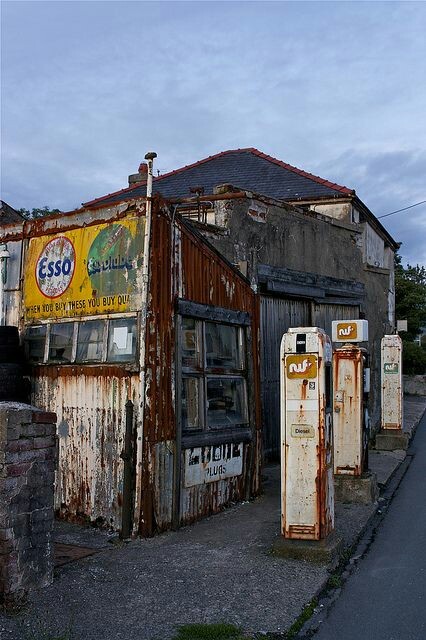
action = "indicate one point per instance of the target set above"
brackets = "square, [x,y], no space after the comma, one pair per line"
[301,366]
[85,271]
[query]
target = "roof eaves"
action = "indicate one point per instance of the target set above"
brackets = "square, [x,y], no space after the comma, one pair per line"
[90,203]
[376,223]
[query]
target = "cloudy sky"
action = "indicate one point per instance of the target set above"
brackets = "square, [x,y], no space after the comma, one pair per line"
[335,88]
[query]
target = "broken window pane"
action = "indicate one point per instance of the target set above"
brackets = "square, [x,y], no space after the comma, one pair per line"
[35,340]
[191,403]
[90,340]
[190,343]
[122,340]
[223,346]
[226,402]
[61,342]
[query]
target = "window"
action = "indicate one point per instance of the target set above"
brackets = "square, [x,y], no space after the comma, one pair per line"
[122,340]
[61,342]
[226,402]
[35,341]
[223,346]
[214,388]
[85,341]
[90,341]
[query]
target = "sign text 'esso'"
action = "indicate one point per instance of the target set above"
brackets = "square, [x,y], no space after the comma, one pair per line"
[55,267]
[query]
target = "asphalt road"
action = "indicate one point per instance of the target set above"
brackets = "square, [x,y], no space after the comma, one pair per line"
[385,597]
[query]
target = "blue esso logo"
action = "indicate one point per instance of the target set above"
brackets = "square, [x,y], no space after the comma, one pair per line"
[55,267]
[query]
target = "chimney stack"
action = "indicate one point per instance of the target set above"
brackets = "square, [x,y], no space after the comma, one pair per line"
[141,176]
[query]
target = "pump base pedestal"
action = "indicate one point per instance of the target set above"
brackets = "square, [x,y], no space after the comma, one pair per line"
[391,439]
[317,551]
[356,489]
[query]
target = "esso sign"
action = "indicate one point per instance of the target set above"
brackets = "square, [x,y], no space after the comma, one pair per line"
[55,267]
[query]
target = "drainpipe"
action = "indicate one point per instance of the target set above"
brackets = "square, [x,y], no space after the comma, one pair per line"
[127,456]
[149,157]
[4,256]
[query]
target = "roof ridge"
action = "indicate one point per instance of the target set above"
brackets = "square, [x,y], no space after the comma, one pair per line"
[253,150]
[168,174]
[301,172]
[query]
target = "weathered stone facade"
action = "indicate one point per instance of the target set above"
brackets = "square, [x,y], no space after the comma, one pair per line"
[256,231]
[28,454]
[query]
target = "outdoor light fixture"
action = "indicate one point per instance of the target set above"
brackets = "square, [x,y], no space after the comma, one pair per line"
[4,256]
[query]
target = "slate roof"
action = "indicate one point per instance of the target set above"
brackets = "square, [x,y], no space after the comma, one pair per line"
[248,169]
[8,214]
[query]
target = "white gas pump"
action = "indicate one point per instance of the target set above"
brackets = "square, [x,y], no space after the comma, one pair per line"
[392,388]
[306,435]
[351,386]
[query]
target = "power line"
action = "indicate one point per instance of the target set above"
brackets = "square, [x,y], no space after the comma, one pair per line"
[399,210]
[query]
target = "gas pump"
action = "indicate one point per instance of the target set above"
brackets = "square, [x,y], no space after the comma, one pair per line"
[306,435]
[351,383]
[392,404]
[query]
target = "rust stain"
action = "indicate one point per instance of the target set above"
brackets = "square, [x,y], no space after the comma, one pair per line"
[182,265]
[90,371]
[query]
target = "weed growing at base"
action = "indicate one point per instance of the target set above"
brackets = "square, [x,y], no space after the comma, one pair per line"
[219,631]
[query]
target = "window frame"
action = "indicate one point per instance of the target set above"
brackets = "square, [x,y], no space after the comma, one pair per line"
[205,373]
[133,361]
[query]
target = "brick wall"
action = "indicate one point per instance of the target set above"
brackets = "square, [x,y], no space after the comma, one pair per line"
[28,455]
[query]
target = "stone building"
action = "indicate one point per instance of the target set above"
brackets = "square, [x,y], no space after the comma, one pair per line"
[311,248]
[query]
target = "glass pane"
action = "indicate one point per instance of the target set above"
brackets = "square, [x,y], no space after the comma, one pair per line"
[122,340]
[190,343]
[90,340]
[35,340]
[60,344]
[191,399]
[222,346]
[226,402]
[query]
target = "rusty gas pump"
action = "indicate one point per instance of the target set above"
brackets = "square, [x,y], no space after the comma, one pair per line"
[306,435]
[351,383]
[392,406]
[351,387]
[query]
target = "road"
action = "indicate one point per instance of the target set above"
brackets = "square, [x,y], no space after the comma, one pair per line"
[385,597]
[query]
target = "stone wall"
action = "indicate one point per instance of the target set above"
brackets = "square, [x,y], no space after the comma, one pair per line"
[311,243]
[415,385]
[28,455]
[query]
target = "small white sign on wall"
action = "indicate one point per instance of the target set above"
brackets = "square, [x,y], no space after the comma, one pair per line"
[212,463]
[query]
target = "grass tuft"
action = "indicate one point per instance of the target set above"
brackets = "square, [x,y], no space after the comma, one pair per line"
[304,616]
[219,631]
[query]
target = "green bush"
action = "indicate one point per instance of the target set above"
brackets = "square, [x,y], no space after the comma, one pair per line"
[413,359]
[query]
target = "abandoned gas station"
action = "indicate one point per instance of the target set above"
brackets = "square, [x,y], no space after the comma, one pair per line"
[153,325]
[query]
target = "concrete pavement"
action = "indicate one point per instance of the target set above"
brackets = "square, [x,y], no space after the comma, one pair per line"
[220,569]
[387,589]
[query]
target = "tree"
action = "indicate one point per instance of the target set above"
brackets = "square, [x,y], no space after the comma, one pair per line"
[410,304]
[38,213]
[410,297]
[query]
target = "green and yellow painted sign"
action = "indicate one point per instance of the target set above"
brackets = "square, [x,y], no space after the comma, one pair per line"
[85,271]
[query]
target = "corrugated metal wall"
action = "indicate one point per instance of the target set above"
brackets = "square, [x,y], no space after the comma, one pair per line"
[183,266]
[323,314]
[277,316]
[90,405]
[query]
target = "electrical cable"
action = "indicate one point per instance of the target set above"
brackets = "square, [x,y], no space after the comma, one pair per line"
[399,210]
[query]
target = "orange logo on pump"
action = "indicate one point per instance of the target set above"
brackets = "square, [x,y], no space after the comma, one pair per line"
[347,331]
[301,366]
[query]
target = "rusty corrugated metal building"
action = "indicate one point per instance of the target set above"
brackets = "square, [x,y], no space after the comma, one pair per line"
[180,342]
[310,247]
